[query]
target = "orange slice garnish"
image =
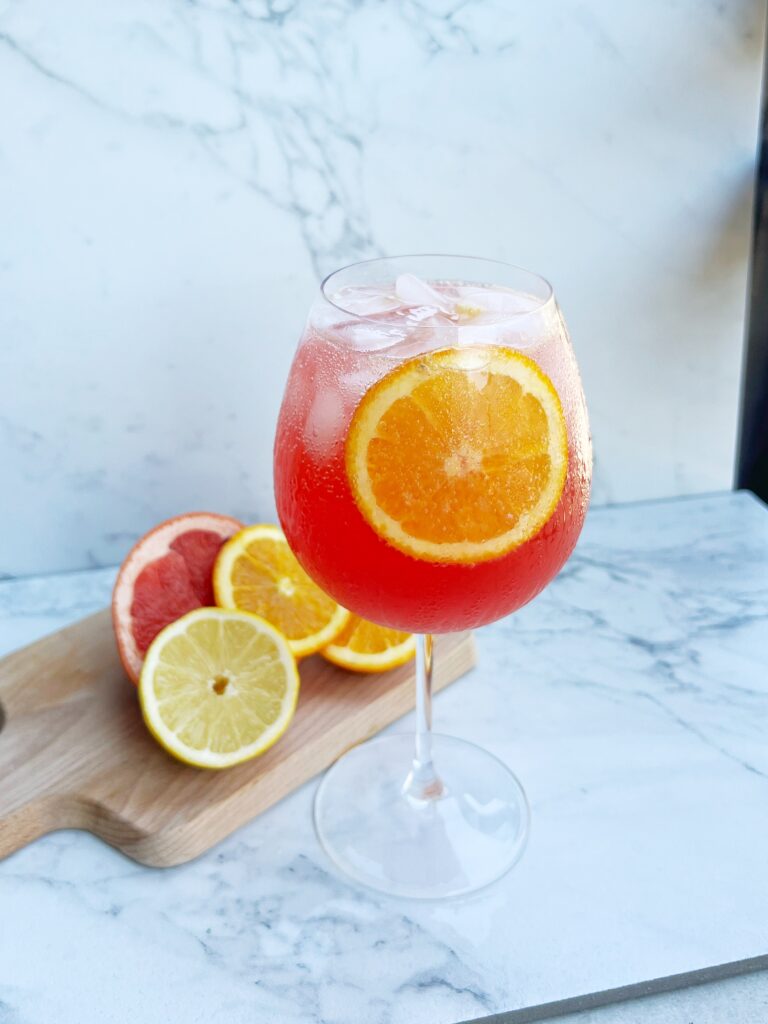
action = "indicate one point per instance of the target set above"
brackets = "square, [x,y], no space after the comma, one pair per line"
[459,455]
[257,572]
[363,646]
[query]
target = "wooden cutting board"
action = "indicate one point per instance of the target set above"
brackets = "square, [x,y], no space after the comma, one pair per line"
[74,751]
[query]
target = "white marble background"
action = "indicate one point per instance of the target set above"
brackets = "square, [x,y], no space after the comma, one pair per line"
[174,176]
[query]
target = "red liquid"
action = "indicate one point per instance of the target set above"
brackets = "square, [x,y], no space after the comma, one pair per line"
[364,573]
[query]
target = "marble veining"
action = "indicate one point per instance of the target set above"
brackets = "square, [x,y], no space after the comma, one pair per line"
[632,700]
[177,175]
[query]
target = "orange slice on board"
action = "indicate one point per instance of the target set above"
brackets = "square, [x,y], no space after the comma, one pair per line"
[256,571]
[459,455]
[363,646]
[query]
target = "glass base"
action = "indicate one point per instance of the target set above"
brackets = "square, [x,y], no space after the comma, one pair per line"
[426,849]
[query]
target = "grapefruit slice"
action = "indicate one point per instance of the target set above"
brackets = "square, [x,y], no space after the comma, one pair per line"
[166,574]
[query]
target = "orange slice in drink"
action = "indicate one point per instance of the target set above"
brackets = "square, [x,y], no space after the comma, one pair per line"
[257,572]
[363,646]
[459,455]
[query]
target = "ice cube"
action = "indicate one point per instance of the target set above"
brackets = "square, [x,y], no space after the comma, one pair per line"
[365,301]
[357,382]
[412,291]
[425,337]
[368,336]
[324,425]
[417,314]
[496,300]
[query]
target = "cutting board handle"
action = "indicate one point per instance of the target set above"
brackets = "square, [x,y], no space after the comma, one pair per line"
[29,822]
[33,787]
[46,718]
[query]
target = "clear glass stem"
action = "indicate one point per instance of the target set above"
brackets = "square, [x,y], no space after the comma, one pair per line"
[423,782]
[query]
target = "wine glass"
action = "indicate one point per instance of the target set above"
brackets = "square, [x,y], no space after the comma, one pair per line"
[432,473]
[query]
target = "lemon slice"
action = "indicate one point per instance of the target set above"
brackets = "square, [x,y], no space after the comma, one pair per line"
[256,571]
[218,687]
[459,455]
[363,646]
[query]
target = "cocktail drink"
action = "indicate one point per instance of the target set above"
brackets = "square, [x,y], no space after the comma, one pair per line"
[432,473]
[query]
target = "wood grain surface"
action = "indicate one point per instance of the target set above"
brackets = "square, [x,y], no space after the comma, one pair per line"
[74,751]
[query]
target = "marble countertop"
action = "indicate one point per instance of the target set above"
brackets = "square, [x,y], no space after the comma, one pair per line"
[631,698]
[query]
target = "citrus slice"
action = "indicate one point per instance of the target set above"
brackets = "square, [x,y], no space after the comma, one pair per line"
[363,646]
[218,687]
[256,571]
[167,573]
[459,455]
